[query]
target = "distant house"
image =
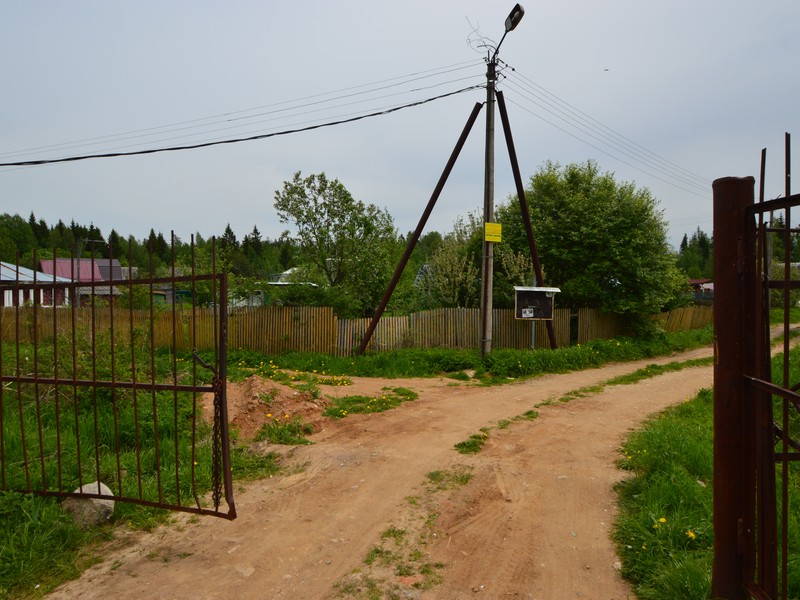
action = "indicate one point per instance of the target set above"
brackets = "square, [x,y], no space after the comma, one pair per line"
[14,282]
[84,270]
[111,269]
[702,290]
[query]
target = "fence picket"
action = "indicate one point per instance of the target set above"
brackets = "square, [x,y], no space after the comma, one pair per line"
[276,329]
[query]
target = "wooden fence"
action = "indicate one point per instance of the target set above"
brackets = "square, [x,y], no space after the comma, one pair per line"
[274,329]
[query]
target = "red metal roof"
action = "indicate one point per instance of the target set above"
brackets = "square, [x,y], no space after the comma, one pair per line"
[77,269]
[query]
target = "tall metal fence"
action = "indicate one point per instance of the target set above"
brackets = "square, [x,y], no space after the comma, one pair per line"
[276,329]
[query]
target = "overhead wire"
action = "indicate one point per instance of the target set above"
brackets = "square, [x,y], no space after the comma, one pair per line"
[581,129]
[295,123]
[605,131]
[235,140]
[230,116]
[527,95]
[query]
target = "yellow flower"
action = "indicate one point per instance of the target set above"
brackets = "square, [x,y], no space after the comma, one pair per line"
[691,534]
[662,520]
[269,415]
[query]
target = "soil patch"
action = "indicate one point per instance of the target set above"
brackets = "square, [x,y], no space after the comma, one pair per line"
[532,519]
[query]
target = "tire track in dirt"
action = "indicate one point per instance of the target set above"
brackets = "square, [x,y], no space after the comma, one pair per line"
[533,523]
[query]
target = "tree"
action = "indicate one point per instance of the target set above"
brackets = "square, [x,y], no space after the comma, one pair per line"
[602,242]
[16,238]
[451,277]
[349,245]
[696,257]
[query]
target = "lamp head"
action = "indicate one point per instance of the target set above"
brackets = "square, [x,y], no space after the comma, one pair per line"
[514,17]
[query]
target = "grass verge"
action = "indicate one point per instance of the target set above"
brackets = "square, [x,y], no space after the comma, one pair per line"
[391,398]
[664,532]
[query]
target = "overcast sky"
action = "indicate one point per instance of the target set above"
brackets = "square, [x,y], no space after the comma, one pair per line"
[669,95]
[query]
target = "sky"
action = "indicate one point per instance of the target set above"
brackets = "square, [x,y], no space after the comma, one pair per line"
[667,95]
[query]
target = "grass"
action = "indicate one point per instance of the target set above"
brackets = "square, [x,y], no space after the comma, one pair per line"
[38,544]
[446,480]
[631,378]
[500,366]
[391,398]
[112,437]
[474,443]
[290,432]
[664,532]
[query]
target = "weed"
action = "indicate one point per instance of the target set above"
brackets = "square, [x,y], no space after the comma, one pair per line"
[269,396]
[459,376]
[473,444]
[290,432]
[391,398]
[394,533]
[458,476]
[377,554]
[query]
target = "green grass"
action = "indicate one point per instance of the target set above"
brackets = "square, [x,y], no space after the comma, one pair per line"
[664,532]
[776,315]
[500,366]
[391,398]
[474,443]
[445,480]
[290,432]
[40,544]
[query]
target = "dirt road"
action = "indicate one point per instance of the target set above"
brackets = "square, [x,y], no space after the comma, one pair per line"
[381,503]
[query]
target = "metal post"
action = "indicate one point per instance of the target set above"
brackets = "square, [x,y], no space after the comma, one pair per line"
[732,196]
[487,272]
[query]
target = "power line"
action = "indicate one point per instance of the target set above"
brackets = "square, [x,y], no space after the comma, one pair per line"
[230,116]
[608,138]
[207,132]
[235,140]
[606,132]
[598,148]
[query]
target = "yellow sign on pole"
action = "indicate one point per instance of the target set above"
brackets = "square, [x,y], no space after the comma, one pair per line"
[493,232]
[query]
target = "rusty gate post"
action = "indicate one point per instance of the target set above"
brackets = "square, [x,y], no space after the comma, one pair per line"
[732,195]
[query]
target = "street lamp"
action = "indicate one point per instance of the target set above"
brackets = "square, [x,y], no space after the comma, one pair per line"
[487,275]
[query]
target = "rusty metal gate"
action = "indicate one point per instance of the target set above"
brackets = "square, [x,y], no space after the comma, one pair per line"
[756,400]
[111,382]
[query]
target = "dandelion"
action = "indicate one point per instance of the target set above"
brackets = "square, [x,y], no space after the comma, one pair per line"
[690,534]
[269,415]
[662,520]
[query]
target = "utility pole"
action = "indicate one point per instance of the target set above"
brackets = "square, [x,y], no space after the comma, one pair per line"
[487,270]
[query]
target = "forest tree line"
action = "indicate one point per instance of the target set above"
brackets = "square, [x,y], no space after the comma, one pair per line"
[601,241]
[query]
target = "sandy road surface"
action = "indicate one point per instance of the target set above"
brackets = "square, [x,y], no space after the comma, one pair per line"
[532,522]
